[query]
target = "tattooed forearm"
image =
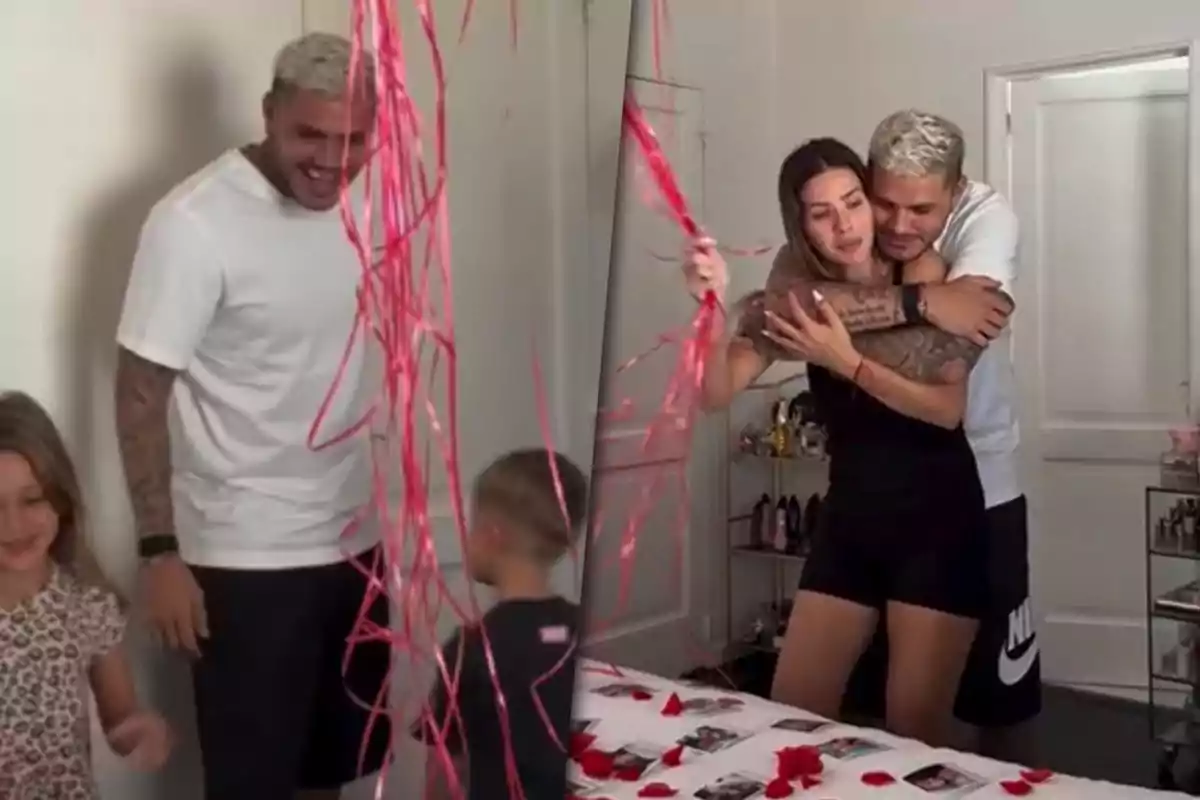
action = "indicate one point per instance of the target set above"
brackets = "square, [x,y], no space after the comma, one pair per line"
[921,353]
[862,308]
[870,303]
[143,394]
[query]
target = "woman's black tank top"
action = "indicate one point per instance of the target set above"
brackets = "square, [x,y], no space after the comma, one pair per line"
[885,459]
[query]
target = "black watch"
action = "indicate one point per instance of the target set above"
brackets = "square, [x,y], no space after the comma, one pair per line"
[157,545]
[912,303]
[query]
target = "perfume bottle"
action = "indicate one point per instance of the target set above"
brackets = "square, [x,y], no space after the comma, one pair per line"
[1178,466]
[812,519]
[779,429]
[794,525]
[780,541]
[758,521]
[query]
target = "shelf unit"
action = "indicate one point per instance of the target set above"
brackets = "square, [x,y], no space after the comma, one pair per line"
[1172,527]
[765,394]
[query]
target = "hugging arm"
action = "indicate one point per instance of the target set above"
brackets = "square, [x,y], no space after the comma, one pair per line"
[922,354]
[872,314]
[941,402]
[861,307]
[942,361]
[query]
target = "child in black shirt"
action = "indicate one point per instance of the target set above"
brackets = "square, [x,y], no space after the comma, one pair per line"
[519,531]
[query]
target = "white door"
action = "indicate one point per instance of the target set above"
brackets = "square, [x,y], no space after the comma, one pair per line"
[1099,181]
[645,610]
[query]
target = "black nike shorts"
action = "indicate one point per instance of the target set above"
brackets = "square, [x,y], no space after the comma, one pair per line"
[274,711]
[1002,683]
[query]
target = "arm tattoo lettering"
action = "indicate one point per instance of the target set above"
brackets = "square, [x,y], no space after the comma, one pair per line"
[870,306]
[143,395]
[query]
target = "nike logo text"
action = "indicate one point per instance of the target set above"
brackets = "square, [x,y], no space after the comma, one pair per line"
[1019,652]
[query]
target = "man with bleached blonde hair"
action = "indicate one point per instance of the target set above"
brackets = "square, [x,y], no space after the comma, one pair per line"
[922,199]
[237,313]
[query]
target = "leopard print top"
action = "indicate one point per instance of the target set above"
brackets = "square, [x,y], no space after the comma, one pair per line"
[47,645]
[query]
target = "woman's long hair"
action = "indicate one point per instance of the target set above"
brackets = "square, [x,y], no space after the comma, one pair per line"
[28,431]
[802,165]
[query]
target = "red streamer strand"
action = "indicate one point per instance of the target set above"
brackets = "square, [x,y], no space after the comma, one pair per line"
[405,313]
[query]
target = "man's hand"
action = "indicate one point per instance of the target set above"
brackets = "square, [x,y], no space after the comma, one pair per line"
[174,604]
[971,307]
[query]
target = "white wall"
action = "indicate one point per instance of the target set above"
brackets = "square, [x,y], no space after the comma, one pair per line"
[110,102]
[932,54]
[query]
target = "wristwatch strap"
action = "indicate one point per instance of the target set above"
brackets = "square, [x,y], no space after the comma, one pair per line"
[157,545]
[911,303]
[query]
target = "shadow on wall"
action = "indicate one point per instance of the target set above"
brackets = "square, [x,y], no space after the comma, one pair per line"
[190,133]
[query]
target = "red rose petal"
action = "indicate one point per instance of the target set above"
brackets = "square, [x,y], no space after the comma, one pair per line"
[673,707]
[672,757]
[656,790]
[779,788]
[808,781]
[877,778]
[640,694]
[794,762]
[1016,788]
[596,764]
[630,774]
[1036,775]
[580,742]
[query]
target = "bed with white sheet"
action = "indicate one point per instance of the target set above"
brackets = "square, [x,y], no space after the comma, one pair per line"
[730,746]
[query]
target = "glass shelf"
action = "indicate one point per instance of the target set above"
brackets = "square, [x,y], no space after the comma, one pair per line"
[744,455]
[1171,721]
[766,552]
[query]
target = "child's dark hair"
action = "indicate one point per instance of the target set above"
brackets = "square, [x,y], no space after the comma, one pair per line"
[520,487]
[27,430]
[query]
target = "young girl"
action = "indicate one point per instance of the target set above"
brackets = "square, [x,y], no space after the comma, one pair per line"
[59,626]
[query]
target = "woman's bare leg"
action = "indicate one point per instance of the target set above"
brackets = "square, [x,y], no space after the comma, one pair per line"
[825,636]
[927,651]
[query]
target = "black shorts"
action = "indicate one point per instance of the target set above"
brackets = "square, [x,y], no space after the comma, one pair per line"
[927,555]
[275,712]
[1002,682]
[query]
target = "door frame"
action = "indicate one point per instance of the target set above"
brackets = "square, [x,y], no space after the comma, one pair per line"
[997,155]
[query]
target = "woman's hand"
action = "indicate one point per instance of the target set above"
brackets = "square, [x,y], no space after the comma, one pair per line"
[824,342]
[705,271]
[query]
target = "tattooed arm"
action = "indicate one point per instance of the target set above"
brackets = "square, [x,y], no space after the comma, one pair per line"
[174,289]
[921,352]
[861,307]
[143,394]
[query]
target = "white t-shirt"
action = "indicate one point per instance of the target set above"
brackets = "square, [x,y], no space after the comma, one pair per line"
[981,239]
[253,300]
